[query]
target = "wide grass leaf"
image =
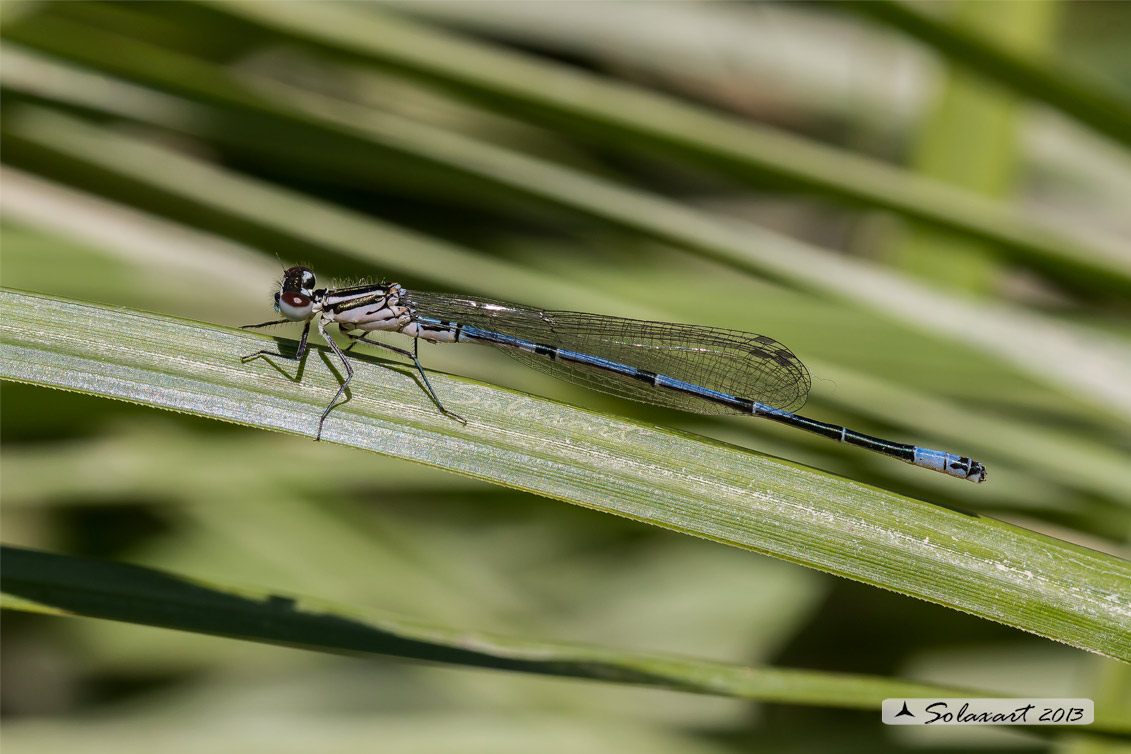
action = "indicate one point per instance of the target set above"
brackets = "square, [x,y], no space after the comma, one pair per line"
[670,479]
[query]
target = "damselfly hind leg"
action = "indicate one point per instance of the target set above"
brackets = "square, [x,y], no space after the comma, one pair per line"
[420,370]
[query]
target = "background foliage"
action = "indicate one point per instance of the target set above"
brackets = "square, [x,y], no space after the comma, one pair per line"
[926,203]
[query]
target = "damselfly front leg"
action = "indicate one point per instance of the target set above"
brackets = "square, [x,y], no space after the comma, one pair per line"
[301,344]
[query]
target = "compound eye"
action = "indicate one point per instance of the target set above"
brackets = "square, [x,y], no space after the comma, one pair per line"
[295,306]
[308,280]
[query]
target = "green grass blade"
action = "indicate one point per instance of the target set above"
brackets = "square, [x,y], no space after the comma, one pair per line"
[970,138]
[1011,445]
[56,584]
[1075,94]
[670,479]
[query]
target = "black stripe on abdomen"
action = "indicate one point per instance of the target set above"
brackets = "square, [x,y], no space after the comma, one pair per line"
[645,376]
[842,434]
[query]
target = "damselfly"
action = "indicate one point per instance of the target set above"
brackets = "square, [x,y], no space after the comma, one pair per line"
[704,370]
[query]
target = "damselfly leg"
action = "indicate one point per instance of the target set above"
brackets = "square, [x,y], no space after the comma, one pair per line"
[420,370]
[298,357]
[298,353]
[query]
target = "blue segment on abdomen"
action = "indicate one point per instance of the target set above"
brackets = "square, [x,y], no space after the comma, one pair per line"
[616,367]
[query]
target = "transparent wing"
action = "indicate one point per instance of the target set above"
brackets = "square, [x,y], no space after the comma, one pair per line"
[738,363]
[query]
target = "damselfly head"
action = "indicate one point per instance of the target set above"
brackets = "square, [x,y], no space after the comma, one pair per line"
[295,297]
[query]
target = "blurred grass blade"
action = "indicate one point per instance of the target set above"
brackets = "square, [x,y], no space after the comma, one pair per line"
[587,106]
[60,585]
[969,138]
[1075,94]
[595,108]
[674,480]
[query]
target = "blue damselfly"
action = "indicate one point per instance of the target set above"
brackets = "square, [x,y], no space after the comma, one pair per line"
[703,370]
